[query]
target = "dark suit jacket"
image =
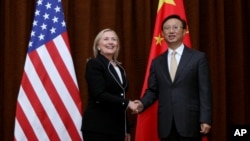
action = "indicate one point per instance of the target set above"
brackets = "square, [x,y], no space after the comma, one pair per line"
[106,109]
[187,100]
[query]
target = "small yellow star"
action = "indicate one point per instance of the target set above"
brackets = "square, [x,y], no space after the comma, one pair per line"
[187,30]
[161,2]
[158,39]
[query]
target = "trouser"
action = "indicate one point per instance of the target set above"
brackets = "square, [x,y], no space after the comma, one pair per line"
[175,136]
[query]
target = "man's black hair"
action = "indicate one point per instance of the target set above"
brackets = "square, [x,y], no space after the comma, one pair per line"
[184,24]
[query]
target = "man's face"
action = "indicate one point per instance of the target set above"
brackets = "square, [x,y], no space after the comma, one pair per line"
[173,31]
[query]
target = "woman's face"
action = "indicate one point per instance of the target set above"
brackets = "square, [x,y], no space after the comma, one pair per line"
[108,44]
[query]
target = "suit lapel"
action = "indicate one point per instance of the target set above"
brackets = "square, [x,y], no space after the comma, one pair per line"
[186,55]
[164,65]
[113,73]
[167,68]
[123,74]
[124,77]
[116,77]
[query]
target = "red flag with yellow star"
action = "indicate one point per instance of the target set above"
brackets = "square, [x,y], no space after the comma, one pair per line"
[146,128]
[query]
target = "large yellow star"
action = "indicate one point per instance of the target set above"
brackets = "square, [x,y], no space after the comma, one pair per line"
[158,39]
[161,2]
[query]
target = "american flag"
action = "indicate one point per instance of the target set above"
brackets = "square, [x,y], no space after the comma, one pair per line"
[48,104]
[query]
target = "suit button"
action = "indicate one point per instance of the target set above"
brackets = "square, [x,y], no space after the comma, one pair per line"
[123,103]
[121,94]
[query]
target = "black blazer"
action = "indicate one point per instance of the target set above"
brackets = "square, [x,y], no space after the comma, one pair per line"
[106,109]
[187,100]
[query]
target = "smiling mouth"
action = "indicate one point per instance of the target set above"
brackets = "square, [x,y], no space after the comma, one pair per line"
[110,47]
[171,37]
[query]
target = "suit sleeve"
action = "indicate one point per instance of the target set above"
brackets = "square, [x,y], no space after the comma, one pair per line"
[205,91]
[151,93]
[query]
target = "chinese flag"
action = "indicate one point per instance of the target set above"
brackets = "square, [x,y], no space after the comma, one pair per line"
[146,128]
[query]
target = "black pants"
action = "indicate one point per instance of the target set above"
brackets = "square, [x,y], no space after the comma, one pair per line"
[175,136]
[91,136]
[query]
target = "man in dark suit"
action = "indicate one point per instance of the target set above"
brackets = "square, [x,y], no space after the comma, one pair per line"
[182,88]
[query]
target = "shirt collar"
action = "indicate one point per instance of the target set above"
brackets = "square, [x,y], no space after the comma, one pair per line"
[178,50]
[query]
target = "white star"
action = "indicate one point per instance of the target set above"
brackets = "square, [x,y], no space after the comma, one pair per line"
[41,37]
[40,2]
[57,9]
[53,30]
[63,23]
[46,16]
[37,12]
[55,19]
[48,5]
[34,23]
[44,26]
[30,44]
[33,33]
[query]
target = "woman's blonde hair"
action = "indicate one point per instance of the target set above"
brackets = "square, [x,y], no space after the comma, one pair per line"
[97,39]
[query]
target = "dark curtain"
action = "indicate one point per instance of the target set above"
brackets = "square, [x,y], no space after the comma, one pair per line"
[218,27]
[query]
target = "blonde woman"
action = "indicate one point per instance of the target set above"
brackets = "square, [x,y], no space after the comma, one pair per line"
[105,116]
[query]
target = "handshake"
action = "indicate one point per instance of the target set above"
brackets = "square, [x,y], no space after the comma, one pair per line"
[135,106]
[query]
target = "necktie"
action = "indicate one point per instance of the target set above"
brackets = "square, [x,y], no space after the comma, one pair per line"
[173,65]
